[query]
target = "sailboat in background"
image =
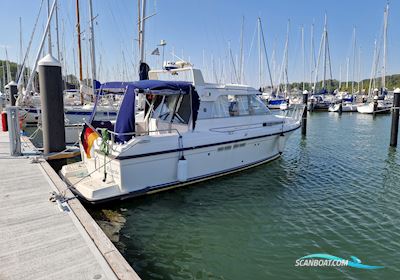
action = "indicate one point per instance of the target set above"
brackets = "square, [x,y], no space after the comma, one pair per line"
[78,105]
[380,103]
[277,98]
[344,102]
[321,100]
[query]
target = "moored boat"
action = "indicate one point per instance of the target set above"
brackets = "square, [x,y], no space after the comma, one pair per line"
[191,131]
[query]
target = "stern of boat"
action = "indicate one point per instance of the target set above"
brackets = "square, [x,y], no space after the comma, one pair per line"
[91,186]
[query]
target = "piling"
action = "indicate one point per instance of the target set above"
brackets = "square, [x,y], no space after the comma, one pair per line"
[12,91]
[304,118]
[52,104]
[395,118]
[14,130]
[375,105]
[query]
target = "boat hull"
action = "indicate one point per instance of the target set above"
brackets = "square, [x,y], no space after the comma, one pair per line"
[129,176]
[345,108]
[369,108]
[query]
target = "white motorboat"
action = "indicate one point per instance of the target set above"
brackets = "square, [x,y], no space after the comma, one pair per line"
[191,131]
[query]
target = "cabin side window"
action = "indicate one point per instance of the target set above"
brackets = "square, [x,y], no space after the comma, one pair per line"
[232,106]
[256,106]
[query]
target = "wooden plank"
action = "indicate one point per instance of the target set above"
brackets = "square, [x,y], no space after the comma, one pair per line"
[114,258]
[37,240]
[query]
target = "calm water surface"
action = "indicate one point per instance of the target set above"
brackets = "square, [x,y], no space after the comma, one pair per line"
[335,192]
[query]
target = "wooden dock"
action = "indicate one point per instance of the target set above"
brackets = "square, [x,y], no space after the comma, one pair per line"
[38,239]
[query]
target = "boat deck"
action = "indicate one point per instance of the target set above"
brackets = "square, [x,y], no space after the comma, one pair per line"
[38,239]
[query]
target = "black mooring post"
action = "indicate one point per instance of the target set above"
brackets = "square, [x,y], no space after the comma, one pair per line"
[52,104]
[304,118]
[395,118]
[375,106]
[13,91]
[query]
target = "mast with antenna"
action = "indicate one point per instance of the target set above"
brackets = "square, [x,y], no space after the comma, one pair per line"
[142,15]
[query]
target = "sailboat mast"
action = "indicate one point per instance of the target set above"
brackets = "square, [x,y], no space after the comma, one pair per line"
[325,53]
[142,29]
[359,69]
[19,68]
[318,61]
[385,47]
[4,74]
[57,35]
[266,55]
[372,76]
[78,31]
[273,64]
[347,73]
[304,56]
[259,53]
[8,67]
[354,59]
[49,31]
[241,53]
[92,48]
[312,61]
[286,57]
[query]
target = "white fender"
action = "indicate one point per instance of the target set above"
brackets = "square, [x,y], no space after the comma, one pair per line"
[182,170]
[281,143]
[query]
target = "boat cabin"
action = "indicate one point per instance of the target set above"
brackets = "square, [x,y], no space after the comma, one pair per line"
[173,106]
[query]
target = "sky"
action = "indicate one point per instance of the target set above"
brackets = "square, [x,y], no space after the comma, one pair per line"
[207,33]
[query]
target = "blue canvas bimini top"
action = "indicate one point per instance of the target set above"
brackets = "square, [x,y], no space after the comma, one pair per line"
[125,122]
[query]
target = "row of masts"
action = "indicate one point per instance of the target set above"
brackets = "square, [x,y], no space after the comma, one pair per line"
[280,84]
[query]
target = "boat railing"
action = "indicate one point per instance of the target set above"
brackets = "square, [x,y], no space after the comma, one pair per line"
[231,129]
[294,114]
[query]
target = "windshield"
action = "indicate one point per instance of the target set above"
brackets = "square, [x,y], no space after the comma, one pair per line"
[172,108]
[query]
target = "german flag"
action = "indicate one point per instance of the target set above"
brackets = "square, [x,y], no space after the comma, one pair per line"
[88,135]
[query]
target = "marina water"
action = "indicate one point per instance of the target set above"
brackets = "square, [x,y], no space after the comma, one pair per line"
[334,192]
